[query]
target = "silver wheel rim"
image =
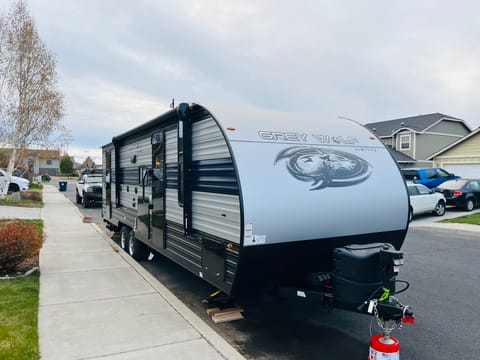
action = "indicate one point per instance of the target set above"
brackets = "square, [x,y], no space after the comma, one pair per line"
[130,245]
[123,241]
[440,209]
[470,205]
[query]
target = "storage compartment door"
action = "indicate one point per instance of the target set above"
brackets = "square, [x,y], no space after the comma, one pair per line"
[213,260]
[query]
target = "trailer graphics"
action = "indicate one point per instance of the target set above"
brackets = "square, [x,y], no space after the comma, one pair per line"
[325,167]
[199,188]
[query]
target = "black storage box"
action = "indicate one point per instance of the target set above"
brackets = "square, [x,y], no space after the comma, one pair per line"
[359,272]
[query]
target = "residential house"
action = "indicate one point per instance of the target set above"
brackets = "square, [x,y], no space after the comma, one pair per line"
[461,157]
[37,162]
[418,137]
[402,160]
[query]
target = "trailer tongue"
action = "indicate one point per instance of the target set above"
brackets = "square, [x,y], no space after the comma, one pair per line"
[363,280]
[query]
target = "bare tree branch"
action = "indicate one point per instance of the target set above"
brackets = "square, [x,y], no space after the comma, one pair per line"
[31,106]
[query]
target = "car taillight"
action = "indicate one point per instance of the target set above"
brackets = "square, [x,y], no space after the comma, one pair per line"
[457,193]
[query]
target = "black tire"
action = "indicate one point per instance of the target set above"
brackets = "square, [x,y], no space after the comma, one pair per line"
[124,234]
[469,205]
[13,187]
[440,209]
[86,201]
[410,214]
[138,250]
[78,198]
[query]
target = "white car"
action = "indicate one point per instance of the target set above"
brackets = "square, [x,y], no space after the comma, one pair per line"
[424,200]
[16,183]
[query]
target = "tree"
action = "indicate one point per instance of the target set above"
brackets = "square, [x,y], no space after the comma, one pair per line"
[88,163]
[31,106]
[66,165]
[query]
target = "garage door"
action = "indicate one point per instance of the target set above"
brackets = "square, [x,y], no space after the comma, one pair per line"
[467,171]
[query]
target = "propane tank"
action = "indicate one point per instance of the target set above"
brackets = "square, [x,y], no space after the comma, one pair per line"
[384,347]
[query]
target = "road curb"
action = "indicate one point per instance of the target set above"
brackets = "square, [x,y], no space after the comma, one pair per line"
[455,227]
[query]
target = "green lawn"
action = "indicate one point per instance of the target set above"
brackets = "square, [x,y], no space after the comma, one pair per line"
[467,219]
[19,313]
[18,317]
[22,203]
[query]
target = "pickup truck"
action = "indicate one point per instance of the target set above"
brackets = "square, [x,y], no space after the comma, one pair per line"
[89,189]
[430,177]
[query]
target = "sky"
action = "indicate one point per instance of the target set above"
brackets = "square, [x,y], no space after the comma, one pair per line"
[120,62]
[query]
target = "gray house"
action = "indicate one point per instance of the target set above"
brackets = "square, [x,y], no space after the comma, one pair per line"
[35,162]
[418,137]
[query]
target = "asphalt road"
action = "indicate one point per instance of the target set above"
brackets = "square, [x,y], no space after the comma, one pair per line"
[443,272]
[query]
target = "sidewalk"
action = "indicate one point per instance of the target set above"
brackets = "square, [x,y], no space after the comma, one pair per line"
[97,302]
[433,222]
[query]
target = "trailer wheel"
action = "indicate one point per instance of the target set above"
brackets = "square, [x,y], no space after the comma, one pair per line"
[137,249]
[124,234]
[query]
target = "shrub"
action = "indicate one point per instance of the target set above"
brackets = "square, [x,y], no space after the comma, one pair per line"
[31,195]
[19,241]
[34,186]
[46,178]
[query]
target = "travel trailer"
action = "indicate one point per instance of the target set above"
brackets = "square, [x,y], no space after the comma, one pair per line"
[250,198]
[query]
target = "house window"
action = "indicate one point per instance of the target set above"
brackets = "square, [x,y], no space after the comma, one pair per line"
[405,141]
[49,162]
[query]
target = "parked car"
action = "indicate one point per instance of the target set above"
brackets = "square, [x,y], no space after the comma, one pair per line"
[461,192]
[424,200]
[16,183]
[430,177]
[89,189]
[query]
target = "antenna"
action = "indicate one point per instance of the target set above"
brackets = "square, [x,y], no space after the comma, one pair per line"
[345,118]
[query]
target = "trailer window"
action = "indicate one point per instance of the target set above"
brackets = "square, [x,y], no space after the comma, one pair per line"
[157,164]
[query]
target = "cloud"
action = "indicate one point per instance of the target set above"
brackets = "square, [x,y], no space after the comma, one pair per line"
[99,110]
[121,62]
